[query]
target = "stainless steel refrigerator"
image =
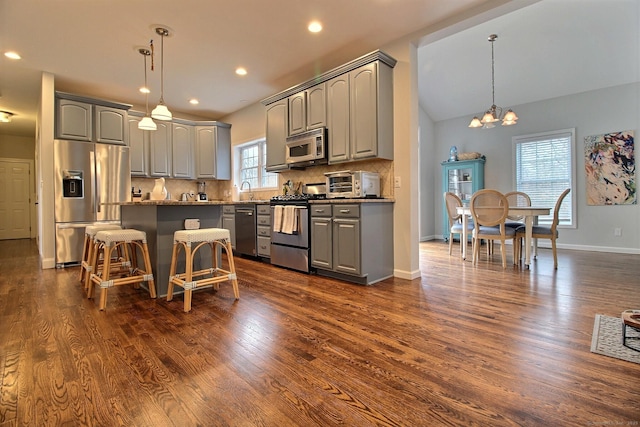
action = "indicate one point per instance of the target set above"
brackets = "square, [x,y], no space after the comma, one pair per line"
[87,175]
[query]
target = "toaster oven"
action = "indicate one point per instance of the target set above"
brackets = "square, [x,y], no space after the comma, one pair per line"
[352,184]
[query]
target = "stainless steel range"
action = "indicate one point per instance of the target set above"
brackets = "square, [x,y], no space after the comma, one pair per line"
[291,234]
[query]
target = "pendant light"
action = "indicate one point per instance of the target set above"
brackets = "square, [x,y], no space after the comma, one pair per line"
[494,113]
[5,117]
[146,123]
[161,112]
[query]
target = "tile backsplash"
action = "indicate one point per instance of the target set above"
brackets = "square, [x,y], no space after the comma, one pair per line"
[222,190]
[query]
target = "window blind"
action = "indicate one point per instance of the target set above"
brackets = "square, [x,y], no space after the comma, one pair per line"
[544,170]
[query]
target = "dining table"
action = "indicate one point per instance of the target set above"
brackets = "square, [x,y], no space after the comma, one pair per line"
[530,215]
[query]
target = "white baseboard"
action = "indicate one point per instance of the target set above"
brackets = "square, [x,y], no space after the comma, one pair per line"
[409,275]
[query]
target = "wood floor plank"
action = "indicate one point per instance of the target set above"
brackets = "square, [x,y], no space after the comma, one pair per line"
[461,345]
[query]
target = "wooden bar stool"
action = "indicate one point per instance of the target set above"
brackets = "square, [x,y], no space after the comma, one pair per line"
[89,233]
[128,241]
[190,241]
[630,318]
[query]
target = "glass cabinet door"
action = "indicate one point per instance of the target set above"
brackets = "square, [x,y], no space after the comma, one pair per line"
[462,178]
[460,182]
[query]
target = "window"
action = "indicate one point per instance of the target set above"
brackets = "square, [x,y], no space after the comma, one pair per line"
[252,161]
[544,169]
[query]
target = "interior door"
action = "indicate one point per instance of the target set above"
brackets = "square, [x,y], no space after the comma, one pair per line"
[15,220]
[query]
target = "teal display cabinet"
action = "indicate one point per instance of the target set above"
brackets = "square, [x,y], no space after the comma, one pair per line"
[463,178]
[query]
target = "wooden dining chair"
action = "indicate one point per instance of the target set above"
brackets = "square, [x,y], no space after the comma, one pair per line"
[544,232]
[516,198]
[489,209]
[455,224]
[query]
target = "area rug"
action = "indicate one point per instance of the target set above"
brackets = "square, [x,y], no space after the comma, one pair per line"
[607,339]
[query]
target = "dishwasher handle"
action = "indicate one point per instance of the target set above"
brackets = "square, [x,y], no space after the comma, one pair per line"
[245,211]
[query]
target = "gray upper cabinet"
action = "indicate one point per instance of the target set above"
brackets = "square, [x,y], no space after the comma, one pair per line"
[138,147]
[160,150]
[316,107]
[182,150]
[213,151]
[277,132]
[85,119]
[338,128]
[307,110]
[361,127]
[74,120]
[297,113]
[355,103]
[111,125]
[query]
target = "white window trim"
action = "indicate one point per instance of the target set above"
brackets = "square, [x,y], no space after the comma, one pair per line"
[571,197]
[236,162]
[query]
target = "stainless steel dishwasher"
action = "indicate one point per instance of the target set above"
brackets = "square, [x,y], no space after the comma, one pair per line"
[246,230]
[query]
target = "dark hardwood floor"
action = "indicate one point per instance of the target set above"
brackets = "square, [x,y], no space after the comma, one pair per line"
[460,346]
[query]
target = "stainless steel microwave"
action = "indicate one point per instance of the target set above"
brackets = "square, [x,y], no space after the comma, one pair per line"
[308,148]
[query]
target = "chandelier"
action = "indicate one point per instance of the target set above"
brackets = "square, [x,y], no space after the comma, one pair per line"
[494,113]
[161,112]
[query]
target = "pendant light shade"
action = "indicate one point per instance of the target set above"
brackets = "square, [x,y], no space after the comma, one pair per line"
[161,112]
[146,123]
[494,113]
[5,117]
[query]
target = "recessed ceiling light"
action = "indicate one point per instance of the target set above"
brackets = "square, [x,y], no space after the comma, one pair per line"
[12,55]
[194,101]
[241,71]
[144,90]
[315,26]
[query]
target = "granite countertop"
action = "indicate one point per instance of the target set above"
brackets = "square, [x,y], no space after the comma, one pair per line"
[351,201]
[189,203]
[240,202]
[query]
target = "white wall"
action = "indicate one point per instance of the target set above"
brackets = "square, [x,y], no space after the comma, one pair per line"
[45,175]
[590,113]
[428,173]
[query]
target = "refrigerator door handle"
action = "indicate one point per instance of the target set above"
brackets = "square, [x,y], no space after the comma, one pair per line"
[95,183]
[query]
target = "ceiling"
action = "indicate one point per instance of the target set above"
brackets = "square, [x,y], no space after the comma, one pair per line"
[546,49]
[92,47]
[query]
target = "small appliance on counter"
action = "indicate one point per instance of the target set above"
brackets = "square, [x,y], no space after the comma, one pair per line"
[352,184]
[202,195]
[318,190]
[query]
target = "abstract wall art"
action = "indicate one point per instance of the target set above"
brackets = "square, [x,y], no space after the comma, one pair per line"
[610,169]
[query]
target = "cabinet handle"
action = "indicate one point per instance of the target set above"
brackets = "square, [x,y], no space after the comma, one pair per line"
[345,211]
[319,210]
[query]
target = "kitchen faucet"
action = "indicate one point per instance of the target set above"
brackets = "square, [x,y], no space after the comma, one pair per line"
[242,188]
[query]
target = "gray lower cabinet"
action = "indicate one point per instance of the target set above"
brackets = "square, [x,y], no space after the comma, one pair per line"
[229,222]
[353,242]
[263,230]
[346,239]
[321,236]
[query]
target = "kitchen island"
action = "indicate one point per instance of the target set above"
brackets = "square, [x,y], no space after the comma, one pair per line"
[160,219]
